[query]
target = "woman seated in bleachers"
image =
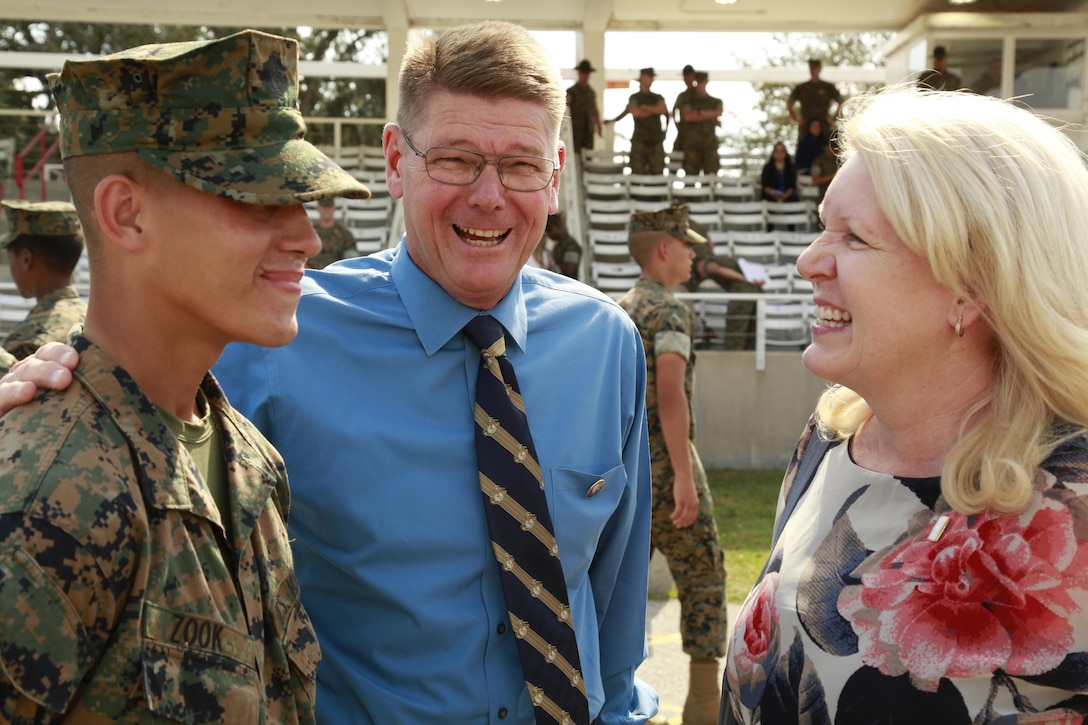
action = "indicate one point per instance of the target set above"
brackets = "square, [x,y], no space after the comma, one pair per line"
[810,144]
[779,180]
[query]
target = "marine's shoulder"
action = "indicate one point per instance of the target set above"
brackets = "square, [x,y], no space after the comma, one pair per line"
[61,458]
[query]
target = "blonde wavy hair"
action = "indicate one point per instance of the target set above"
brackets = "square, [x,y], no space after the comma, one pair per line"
[996,200]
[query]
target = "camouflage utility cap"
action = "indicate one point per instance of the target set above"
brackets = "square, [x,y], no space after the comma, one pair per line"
[39,219]
[673,220]
[218,115]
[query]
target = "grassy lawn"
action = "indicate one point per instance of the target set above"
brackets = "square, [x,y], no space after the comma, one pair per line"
[744,503]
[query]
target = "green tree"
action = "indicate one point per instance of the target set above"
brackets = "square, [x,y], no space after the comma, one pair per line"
[794,49]
[351,98]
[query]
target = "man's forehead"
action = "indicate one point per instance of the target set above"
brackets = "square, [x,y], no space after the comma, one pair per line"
[508,126]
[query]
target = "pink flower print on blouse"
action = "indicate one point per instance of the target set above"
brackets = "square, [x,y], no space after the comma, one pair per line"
[754,643]
[992,593]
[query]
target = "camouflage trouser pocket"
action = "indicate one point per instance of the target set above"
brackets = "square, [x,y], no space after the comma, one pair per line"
[198,670]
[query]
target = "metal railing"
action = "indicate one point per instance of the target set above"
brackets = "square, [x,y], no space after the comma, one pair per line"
[763,300]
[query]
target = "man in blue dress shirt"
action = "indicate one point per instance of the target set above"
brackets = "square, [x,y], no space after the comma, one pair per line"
[372,409]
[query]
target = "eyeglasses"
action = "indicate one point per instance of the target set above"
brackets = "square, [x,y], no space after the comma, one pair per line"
[459,167]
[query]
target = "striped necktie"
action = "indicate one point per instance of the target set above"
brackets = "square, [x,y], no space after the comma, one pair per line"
[521,536]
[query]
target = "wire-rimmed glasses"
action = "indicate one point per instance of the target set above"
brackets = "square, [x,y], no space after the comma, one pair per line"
[461,167]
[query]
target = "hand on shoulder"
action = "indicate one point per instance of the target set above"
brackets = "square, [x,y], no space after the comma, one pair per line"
[48,368]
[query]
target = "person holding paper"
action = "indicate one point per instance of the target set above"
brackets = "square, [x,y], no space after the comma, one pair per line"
[740,326]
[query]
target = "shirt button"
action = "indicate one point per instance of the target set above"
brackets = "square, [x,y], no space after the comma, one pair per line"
[501,629]
[502,713]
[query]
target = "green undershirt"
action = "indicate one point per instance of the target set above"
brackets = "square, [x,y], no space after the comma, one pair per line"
[202,441]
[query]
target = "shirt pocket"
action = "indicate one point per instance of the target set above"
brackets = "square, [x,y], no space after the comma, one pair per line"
[197,669]
[582,505]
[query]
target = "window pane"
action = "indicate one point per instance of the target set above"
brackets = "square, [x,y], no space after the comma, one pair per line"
[1049,72]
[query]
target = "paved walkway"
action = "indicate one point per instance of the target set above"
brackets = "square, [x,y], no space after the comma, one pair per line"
[666,667]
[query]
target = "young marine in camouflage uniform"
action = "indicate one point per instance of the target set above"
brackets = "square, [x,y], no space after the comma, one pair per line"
[648,139]
[683,526]
[44,245]
[701,112]
[585,119]
[336,241]
[145,569]
[688,74]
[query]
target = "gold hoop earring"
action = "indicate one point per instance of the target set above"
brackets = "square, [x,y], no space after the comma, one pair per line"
[959,326]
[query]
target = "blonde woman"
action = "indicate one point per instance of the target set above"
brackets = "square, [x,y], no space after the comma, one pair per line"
[931,553]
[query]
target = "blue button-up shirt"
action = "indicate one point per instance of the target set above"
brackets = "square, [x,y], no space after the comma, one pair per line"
[372,409]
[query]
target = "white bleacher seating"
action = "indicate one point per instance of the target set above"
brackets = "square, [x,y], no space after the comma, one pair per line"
[372,158]
[759,247]
[787,325]
[348,157]
[370,239]
[614,276]
[612,162]
[798,284]
[710,320]
[13,310]
[648,192]
[362,216]
[743,215]
[607,214]
[791,244]
[706,214]
[796,215]
[735,189]
[674,161]
[697,187]
[604,185]
[608,244]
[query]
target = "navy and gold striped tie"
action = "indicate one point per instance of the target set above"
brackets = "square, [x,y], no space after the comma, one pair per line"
[521,536]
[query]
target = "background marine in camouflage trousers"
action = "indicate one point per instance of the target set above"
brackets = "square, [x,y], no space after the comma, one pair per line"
[682,520]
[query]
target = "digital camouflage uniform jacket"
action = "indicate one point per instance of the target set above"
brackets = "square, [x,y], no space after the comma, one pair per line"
[120,597]
[48,321]
[666,324]
[6,360]
[581,100]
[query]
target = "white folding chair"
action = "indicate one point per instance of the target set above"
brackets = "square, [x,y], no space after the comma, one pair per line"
[754,246]
[614,276]
[13,310]
[797,215]
[792,244]
[697,187]
[608,245]
[611,162]
[711,316]
[778,277]
[648,192]
[787,325]
[705,214]
[743,215]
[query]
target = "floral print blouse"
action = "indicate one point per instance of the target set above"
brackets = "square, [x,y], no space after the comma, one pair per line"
[882,605]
